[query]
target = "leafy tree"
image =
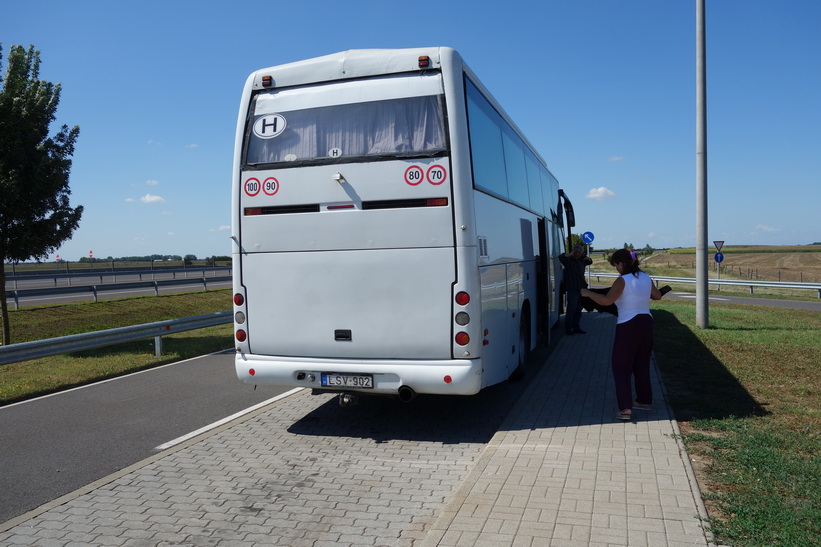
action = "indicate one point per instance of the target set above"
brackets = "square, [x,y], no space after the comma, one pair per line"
[35,215]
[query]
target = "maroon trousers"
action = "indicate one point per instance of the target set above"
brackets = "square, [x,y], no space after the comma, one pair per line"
[631,358]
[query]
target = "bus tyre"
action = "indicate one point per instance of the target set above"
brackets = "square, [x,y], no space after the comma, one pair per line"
[524,349]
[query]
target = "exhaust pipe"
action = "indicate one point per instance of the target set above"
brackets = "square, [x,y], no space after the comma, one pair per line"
[406,394]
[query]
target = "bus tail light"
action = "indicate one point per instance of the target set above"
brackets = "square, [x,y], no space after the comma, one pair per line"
[462,298]
[462,338]
[241,335]
[462,318]
[239,300]
[424,61]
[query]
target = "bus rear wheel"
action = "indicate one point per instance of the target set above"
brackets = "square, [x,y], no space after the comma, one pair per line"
[524,348]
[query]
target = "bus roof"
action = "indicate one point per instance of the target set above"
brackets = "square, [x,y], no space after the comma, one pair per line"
[354,63]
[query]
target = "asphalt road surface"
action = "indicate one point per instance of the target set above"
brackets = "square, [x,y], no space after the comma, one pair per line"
[53,445]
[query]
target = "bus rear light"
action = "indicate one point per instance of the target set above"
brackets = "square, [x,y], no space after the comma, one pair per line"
[447,379]
[462,298]
[251,372]
[462,318]
[437,202]
[239,318]
[267,81]
[239,300]
[241,336]
[424,61]
[251,211]
[462,338]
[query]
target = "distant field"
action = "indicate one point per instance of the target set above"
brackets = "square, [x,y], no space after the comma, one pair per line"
[797,263]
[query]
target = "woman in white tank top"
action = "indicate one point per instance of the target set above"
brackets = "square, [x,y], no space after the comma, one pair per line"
[633,344]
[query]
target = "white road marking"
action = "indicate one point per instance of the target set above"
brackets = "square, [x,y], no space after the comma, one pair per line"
[214,425]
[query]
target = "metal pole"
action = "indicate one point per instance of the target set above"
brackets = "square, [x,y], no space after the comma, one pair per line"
[702,270]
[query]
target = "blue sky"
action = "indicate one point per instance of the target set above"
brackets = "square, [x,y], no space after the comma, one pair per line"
[604,89]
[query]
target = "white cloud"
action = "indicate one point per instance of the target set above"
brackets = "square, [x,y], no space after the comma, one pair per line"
[615,158]
[220,229]
[651,234]
[148,198]
[152,182]
[764,228]
[600,194]
[130,200]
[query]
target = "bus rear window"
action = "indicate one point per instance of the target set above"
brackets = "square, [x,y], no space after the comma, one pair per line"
[404,127]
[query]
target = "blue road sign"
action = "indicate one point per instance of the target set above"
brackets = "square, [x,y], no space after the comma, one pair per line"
[587,237]
[719,258]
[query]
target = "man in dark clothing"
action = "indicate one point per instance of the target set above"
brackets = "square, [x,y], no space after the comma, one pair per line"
[574,264]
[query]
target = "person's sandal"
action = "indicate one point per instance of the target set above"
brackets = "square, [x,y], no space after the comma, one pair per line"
[625,415]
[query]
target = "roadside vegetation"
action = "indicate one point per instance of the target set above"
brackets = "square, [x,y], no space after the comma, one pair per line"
[41,376]
[747,395]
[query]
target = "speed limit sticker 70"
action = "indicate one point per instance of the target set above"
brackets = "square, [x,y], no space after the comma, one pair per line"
[437,174]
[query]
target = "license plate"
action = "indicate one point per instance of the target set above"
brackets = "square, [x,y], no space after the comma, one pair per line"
[330,379]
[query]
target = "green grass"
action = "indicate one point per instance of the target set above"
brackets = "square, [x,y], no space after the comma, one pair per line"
[28,379]
[747,392]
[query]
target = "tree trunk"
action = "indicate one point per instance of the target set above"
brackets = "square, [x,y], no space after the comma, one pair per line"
[4,307]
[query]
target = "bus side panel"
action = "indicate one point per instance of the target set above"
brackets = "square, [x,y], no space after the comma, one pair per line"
[368,304]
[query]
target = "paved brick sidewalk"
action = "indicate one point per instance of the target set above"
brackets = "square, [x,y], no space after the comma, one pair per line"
[563,471]
[559,471]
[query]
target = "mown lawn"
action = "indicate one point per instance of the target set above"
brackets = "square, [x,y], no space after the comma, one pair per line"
[747,393]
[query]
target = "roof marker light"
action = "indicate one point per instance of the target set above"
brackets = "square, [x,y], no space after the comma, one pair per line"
[424,61]
[267,81]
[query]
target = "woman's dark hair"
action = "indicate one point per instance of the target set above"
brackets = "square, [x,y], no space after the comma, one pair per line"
[628,258]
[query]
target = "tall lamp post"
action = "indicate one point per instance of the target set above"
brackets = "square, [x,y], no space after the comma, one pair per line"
[702,266]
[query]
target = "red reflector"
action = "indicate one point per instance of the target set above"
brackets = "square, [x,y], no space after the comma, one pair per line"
[252,372]
[462,339]
[251,211]
[335,207]
[462,298]
[448,379]
[424,61]
[437,202]
[241,336]
[239,300]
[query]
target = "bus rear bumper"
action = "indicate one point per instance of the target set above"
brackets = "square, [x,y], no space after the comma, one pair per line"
[435,377]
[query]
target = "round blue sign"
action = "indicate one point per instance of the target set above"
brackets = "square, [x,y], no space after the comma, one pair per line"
[587,237]
[719,258]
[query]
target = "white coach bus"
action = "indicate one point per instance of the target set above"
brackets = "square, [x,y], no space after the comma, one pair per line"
[393,231]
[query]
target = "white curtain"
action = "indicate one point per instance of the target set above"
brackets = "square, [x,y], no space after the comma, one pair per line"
[406,126]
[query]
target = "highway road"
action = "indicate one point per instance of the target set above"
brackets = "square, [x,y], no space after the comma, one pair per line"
[53,445]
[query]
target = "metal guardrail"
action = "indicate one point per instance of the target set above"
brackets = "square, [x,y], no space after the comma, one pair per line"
[94,289]
[101,273]
[730,282]
[25,351]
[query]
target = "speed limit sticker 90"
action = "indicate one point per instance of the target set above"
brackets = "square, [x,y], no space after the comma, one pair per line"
[270,186]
